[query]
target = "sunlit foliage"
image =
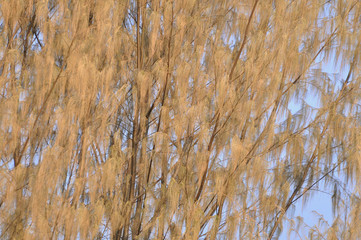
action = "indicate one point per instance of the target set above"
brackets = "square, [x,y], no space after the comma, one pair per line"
[160,119]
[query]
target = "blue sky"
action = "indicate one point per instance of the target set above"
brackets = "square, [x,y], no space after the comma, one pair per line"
[319,206]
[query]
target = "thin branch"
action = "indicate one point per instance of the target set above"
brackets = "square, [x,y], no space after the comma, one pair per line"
[244,40]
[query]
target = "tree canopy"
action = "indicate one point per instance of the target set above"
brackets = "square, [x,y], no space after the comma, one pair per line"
[165,119]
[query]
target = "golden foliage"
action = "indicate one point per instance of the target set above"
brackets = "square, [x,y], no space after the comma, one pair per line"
[176,119]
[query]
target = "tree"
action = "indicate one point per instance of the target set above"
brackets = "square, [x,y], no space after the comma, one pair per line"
[174,119]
